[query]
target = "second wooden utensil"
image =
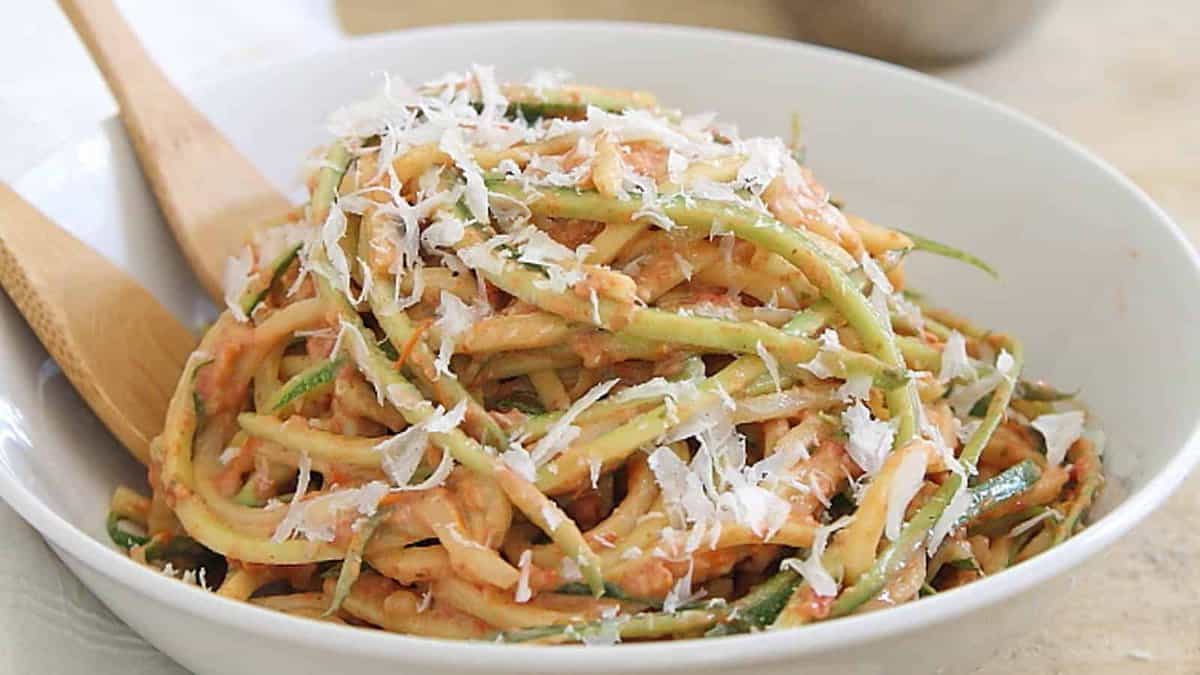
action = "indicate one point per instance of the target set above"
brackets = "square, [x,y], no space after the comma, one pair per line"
[208,192]
[118,346]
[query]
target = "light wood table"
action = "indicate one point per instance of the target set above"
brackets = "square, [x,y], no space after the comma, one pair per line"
[1121,77]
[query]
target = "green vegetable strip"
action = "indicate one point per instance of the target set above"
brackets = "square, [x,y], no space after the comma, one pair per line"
[912,535]
[1000,488]
[663,326]
[569,103]
[337,161]
[753,611]
[946,251]
[125,540]
[536,426]
[446,390]
[258,291]
[1041,392]
[352,563]
[463,448]
[1089,483]
[524,362]
[178,547]
[314,379]
[743,338]
[322,445]
[761,606]
[814,259]
[183,419]
[614,446]
[639,626]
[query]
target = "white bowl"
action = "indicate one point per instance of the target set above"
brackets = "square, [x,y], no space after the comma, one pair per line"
[1097,281]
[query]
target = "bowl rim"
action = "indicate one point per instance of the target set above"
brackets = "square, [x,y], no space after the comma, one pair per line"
[764,647]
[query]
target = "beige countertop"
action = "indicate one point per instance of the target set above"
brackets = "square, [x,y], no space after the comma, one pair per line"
[1121,77]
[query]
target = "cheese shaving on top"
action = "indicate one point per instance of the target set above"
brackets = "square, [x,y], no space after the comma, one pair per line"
[568,570]
[402,453]
[769,363]
[824,364]
[964,397]
[717,485]
[477,195]
[906,482]
[318,518]
[289,523]
[234,280]
[548,78]
[351,339]
[856,387]
[870,440]
[955,363]
[1029,523]
[332,232]
[660,387]
[454,317]
[959,503]
[228,454]
[811,568]
[875,274]
[525,566]
[1060,430]
[561,433]
[681,593]
[521,463]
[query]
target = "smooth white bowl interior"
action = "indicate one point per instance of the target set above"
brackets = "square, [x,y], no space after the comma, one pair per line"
[1096,281]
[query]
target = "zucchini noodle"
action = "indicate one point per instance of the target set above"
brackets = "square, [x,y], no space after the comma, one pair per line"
[551,363]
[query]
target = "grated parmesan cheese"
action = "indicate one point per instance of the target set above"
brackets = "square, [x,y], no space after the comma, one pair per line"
[958,505]
[964,397]
[402,453]
[825,364]
[351,339]
[1029,523]
[453,319]
[856,387]
[524,565]
[521,463]
[568,570]
[234,280]
[561,433]
[769,363]
[811,568]
[477,195]
[1060,430]
[870,439]
[317,519]
[955,363]
[906,482]
[681,593]
[228,454]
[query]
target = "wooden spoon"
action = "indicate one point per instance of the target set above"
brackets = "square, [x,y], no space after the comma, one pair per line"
[208,192]
[118,346]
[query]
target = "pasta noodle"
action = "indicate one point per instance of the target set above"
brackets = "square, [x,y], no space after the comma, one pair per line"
[557,364]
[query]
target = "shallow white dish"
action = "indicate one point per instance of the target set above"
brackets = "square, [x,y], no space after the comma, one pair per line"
[1100,285]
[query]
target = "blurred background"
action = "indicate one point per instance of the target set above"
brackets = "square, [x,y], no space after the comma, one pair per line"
[1122,77]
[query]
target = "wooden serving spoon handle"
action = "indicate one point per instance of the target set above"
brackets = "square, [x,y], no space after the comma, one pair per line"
[118,346]
[208,192]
